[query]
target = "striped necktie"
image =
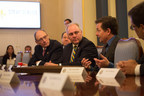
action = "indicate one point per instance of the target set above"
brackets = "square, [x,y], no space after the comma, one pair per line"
[73,54]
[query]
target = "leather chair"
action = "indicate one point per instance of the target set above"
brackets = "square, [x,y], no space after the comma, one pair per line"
[26,57]
[18,58]
[128,49]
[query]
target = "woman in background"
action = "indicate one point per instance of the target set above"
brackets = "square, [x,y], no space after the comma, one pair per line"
[9,57]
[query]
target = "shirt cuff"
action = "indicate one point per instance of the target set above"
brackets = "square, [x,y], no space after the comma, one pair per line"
[137,69]
[38,62]
[137,81]
[111,65]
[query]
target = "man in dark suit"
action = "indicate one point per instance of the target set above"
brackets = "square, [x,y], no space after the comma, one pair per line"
[107,30]
[46,50]
[84,48]
[131,67]
[64,39]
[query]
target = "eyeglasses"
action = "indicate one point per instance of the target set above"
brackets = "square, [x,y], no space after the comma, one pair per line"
[43,38]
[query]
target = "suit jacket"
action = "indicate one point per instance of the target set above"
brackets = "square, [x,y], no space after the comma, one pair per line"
[111,49]
[52,53]
[86,49]
[6,57]
[141,61]
[142,69]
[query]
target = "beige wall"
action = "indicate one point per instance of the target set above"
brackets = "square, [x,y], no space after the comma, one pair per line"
[89,17]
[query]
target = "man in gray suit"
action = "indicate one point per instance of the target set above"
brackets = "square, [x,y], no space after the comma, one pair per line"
[107,31]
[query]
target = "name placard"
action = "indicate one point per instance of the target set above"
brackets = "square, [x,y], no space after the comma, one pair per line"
[54,81]
[8,77]
[110,81]
[76,74]
[8,88]
[48,92]
[110,73]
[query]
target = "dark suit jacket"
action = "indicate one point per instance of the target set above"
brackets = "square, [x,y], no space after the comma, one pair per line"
[142,69]
[141,61]
[5,57]
[53,53]
[111,49]
[86,49]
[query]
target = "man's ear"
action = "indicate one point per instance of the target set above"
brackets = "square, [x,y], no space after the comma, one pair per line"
[37,42]
[109,30]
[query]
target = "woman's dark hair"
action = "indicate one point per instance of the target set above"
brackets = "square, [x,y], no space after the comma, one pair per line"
[7,54]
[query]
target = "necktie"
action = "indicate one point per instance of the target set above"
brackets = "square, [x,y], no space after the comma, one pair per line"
[73,54]
[104,50]
[43,51]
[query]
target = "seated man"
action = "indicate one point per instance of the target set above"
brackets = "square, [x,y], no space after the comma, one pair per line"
[79,48]
[65,40]
[107,30]
[28,49]
[46,50]
[131,67]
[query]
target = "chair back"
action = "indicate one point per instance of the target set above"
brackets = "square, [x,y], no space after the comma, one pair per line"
[128,49]
[1,57]
[26,57]
[18,58]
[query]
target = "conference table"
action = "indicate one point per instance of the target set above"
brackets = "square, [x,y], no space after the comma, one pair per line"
[30,78]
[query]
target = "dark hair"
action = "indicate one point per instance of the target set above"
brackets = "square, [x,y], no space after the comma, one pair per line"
[137,14]
[28,46]
[62,34]
[68,20]
[7,54]
[108,22]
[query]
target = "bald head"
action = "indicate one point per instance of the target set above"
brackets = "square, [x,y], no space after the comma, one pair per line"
[41,38]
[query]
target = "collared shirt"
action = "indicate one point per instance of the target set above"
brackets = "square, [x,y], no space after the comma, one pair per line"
[110,41]
[137,70]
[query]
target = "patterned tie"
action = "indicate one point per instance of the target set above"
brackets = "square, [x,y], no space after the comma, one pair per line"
[73,54]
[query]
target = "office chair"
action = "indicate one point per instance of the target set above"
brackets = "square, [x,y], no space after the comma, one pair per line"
[26,57]
[18,58]
[128,49]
